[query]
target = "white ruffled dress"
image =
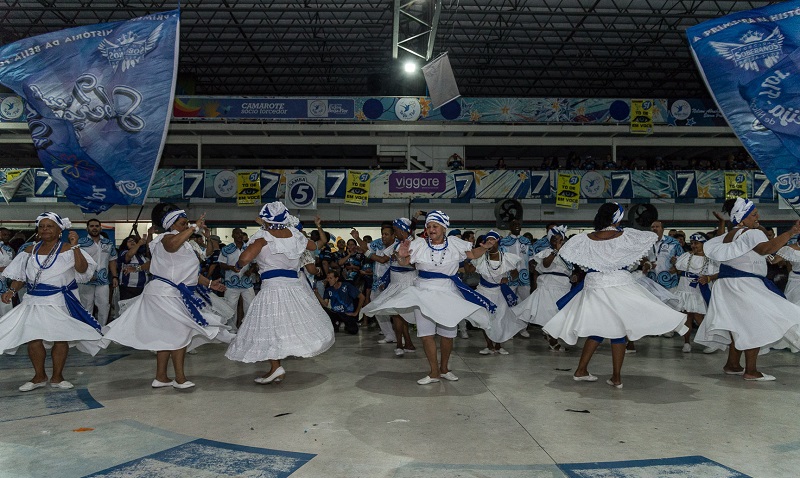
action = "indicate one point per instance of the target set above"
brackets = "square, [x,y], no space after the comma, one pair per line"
[47,318]
[158,319]
[612,303]
[743,307]
[398,281]
[505,323]
[691,300]
[792,256]
[664,295]
[551,285]
[285,318]
[436,299]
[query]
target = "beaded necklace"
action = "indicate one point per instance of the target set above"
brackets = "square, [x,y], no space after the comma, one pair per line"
[48,261]
[443,250]
[276,226]
[489,262]
[704,268]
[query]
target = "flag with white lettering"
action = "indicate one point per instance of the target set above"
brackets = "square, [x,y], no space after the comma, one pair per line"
[98,103]
[751,64]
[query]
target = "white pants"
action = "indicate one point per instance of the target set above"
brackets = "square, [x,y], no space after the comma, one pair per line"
[95,295]
[384,321]
[426,327]
[232,298]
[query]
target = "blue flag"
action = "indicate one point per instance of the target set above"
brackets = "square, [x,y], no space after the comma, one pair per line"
[98,103]
[750,62]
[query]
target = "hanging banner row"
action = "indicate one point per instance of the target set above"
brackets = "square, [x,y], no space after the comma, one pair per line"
[301,189]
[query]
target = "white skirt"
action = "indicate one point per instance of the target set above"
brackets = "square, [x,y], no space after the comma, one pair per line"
[755,316]
[400,281]
[692,301]
[614,305]
[541,306]
[504,323]
[792,291]
[662,293]
[51,323]
[284,320]
[153,321]
[437,299]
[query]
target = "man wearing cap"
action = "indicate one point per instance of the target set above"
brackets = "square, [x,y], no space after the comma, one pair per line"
[94,293]
[238,284]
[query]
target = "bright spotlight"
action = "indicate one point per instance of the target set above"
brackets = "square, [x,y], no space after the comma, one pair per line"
[410,67]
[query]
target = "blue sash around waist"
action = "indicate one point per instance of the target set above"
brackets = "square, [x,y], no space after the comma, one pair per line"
[728,272]
[76,310]
[203,291]
[287,273]
[193,304]
[577,287]
[508,293]
[466,291]
[386,278]
[705,290]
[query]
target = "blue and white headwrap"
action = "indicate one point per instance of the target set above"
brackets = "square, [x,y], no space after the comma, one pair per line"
[697,237]
[402,223]
[171,217]
[558,230]
[491,233]
[274,213]
[618,215]
[62,222]
[438,217]
[741,209]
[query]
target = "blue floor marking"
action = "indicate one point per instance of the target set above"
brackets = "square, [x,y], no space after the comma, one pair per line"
[21,360]
[43,403]
[686,466]
[214,458]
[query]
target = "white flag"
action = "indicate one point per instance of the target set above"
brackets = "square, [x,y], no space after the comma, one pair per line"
[441,82]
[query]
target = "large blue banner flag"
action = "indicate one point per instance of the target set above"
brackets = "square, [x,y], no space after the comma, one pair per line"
[751,64]
[98,103]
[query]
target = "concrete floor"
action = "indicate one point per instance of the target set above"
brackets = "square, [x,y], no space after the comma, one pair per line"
[356,411]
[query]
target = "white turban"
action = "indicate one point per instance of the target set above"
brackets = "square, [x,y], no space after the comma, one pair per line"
[274,213]
[618,215]
[438,217]
[560,230]
[402,223]
[741,209]
[171,217]
[62,222]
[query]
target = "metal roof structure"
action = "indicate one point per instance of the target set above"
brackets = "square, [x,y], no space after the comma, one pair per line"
[511,48]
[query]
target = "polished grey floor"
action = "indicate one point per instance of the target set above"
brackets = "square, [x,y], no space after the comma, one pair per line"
[358,409]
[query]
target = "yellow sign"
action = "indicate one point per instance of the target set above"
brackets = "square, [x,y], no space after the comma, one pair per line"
[735,185]
[357,192]
[569,190]
[14,174]
[248,188]
[641,116]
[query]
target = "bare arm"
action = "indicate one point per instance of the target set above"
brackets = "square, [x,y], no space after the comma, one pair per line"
[80,262]
[772,246]
[249,254]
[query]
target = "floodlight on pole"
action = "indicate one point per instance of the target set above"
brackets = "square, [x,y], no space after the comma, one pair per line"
[410,67]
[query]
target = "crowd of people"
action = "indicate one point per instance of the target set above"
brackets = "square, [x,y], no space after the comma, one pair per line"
[285,292]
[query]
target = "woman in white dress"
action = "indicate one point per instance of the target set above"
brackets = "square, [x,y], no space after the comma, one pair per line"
[553,281]
[609,303]
[697,273]
[50,312]
[791,254]
[438,300]
[746,310]
[398,277]
[168,317]
[496,269]
[285,319]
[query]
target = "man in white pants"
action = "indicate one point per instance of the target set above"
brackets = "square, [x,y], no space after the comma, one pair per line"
[95,293]
[377,248]
[239,284]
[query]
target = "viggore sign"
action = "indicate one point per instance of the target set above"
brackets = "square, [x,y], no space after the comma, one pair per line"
[422,182]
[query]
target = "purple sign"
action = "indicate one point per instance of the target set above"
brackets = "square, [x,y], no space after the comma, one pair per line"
[417,182]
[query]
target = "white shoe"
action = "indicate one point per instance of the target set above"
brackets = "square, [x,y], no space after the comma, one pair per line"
[186,384]
[585,378]
[409,351]
[687,348]
[525,334]
[384,341]
[449,376]
[28,386]
[192,352]
[668,335]
[630,351]
[765,377]
[464,334]
[63,385]
[158,384]
[275,376]
[502,351]
[709,350]
[398,352]
[426,380]
[486,351]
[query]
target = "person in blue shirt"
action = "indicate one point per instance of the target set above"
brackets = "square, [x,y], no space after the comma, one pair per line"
[342,302]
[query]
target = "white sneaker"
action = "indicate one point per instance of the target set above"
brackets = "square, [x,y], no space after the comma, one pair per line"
[687,348]
[486,351]
[384,341]
[502,351]
[449,376]
[398,352]
[464,334]
[524,333]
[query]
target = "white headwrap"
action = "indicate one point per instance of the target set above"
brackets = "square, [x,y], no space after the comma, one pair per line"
[560,230]
[741,209]
[493,234]
[292,221]
[698,237]
[402,223]
[171,217]
[438,217]
[62,222]
[274,213]
[618,215]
